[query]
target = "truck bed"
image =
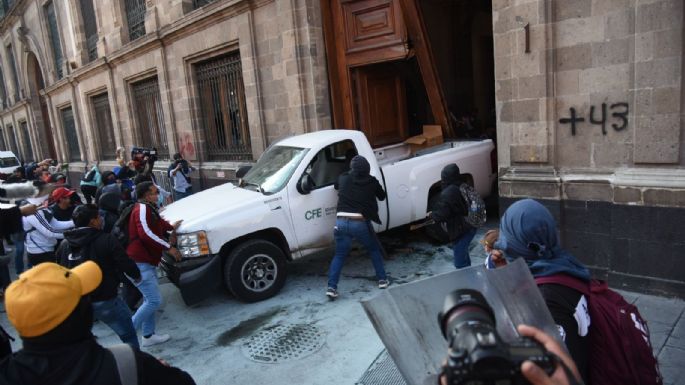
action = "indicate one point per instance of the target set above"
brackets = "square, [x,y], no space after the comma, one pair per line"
[394,153]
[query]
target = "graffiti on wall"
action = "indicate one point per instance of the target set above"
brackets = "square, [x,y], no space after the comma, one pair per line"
[186,147]
[599,116]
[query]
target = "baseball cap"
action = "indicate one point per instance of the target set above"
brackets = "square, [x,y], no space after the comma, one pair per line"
[61,192]
[44,296]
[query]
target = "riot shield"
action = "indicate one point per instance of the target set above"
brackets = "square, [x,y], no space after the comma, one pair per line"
[406,317]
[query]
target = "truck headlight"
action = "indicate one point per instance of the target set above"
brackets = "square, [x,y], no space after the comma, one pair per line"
[193,245]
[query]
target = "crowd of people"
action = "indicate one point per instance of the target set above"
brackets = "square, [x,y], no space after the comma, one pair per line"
[79,255]
[72,258]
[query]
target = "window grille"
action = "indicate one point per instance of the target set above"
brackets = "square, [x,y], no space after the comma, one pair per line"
[13,67]
[54,38]
[3,144]
[69,125]
[104,127]
[222,111]
[13,140]
[90,28]
[201,3]
[27,148]
[150,117]
[135,14]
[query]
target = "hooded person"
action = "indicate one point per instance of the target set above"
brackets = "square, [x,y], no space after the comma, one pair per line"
[109,204]
[528,231]
[50,308]
[88,242]
[358,192]
[449,211]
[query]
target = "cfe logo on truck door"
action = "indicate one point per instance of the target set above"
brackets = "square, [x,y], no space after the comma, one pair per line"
[312,214]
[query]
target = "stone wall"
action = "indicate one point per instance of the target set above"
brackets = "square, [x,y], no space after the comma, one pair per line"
[282,56]
[590,120]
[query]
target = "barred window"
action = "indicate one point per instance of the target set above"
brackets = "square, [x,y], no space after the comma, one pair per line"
[69,125]
[149,115]
[54,38]
[3,144]
[102,119]
[222,112]
[27,147]
[13,140]
[135,14]
[201,3]
[13,68]
[90,28]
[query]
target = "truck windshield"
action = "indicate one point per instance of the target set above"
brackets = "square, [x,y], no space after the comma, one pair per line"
[274,168]
[8,162]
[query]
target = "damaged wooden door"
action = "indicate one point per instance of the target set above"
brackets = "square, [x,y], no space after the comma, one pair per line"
[363,39]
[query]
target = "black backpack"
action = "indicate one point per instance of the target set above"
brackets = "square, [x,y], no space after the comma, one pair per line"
[71,256]
[120,228]
[89,176]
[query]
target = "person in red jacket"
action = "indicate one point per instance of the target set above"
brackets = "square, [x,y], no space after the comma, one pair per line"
[148,239]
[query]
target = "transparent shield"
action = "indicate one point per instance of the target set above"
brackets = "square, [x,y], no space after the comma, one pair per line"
[406,317]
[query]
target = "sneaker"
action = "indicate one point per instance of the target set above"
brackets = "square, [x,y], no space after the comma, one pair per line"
[155,339]
[383,283]
[331,293]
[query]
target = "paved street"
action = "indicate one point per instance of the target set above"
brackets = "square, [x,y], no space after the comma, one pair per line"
[212,340]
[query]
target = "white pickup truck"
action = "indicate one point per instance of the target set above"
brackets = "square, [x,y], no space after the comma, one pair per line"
[285,208]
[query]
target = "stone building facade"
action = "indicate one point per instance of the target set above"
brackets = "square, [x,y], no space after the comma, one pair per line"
[216,80]
[590,117]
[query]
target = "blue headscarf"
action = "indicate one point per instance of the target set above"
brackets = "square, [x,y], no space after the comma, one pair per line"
[528,230]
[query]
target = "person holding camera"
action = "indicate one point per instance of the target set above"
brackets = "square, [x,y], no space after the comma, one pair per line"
[178,172]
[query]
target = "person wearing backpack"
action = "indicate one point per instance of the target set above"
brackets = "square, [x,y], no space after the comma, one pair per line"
[606,336]
[50,308]
[450,211]
[90,182]
[88,242]
[147,241]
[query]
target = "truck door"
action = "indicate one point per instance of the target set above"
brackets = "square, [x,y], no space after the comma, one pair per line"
[313,207]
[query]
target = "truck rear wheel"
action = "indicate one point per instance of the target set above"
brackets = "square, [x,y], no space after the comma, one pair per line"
[255,270]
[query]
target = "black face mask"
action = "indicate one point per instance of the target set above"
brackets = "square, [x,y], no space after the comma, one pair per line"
[77,327]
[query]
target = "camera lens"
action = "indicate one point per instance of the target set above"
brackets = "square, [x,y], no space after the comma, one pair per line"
[464,305]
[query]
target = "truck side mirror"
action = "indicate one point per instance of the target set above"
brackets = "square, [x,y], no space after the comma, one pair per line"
[242,170]
[305,184]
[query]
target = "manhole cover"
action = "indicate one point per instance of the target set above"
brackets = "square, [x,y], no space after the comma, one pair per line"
[283,342]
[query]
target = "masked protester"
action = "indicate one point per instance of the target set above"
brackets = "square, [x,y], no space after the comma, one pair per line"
[357,208]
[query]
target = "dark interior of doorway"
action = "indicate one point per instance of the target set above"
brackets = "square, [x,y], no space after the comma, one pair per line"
[460,35]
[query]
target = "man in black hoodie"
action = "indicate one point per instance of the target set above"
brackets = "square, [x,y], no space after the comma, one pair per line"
[357,206]
[88,242]
[450,211]
[50,308]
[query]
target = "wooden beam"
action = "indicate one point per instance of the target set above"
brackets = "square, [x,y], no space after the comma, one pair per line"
[416,28]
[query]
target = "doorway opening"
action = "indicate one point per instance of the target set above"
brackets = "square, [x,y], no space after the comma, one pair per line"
[40,109]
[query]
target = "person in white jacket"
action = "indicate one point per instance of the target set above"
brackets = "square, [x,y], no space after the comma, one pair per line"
[42,232]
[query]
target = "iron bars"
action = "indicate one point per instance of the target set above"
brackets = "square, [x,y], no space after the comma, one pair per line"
[102,118]
[150,116]
[222,112]
[135,14]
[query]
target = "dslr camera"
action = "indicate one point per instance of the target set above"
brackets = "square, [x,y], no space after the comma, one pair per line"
[140,153]
[477,354]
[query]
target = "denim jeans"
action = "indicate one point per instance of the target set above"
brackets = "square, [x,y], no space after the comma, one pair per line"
[461,249]
[345,231]
[18,239]
[114,313]
[152,299]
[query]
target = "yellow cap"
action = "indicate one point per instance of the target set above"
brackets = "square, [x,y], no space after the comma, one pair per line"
[44,296]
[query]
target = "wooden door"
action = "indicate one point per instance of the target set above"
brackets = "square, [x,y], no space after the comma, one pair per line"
[382,111]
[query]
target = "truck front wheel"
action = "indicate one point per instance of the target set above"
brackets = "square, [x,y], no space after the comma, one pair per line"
[255,270]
